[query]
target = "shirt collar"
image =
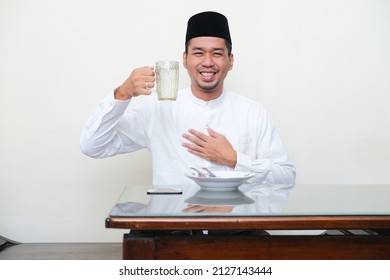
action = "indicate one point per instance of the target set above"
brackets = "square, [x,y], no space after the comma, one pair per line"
[211,103]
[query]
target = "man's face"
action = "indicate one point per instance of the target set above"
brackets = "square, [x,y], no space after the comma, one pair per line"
[207,63]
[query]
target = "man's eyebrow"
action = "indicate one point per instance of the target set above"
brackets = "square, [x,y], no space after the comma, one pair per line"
[197,49]
[202,49]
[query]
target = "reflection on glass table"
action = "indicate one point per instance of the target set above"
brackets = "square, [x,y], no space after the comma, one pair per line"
[250,200]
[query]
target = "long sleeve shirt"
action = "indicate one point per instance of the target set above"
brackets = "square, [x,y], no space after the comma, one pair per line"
[118,127]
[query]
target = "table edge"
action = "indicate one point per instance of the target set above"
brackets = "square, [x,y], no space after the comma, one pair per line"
[252,222]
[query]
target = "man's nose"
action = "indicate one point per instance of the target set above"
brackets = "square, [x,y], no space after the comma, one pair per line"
[208,60]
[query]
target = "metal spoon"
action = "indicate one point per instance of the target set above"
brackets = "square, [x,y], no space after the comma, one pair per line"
[211,174]
[198,172]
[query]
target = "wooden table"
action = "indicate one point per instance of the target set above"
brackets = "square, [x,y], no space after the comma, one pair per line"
[301,222]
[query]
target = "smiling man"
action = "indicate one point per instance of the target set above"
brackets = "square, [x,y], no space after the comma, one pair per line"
[207,126]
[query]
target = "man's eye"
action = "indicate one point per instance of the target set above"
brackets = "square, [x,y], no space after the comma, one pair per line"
[198,53]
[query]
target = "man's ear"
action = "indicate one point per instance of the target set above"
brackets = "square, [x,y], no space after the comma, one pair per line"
[231,62]
[185,60]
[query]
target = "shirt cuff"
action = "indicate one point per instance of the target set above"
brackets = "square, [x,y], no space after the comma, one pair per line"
[244,162]
[115,106]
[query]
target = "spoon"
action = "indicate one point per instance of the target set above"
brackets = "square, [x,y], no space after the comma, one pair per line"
[211,174]
[198,172]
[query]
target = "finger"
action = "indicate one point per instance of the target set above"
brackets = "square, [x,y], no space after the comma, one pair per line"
[197,208]
[193,148]
[149,84]
[146,70]
[143,88]
[212,133]
[148,78]
[198,134]
[191,208]
[198,153]
[194,139]
[145,74]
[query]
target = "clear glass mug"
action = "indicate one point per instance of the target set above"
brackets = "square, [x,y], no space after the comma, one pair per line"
[167,79]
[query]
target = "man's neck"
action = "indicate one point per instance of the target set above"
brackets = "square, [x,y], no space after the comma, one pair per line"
[206,95]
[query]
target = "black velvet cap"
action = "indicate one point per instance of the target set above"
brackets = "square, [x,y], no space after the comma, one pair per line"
[208,24]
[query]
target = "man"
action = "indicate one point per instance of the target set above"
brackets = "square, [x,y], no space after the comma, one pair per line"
[207,126]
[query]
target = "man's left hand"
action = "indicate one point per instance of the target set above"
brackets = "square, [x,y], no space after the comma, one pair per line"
[213,147]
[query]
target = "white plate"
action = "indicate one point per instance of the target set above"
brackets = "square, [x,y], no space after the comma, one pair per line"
[225,180]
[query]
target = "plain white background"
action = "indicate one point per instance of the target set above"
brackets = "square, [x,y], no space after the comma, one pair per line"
[320,68]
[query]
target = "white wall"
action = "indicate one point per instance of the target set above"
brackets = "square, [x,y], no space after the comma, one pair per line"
[321,69]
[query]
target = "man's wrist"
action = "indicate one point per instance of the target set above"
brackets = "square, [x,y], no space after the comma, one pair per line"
[120,95]
[232,162]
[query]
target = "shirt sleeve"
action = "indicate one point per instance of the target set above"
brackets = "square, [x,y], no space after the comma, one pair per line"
[267,171]
[112,129]
[270,163]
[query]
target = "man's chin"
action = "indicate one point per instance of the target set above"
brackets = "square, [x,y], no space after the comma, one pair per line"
[208,86]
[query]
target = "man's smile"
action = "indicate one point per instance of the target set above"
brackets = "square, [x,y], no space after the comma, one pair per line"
[208,75]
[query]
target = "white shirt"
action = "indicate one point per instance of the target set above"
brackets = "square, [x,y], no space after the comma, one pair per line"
[158,126]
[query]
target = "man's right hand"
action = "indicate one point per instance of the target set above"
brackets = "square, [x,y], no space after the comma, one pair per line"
[140,82]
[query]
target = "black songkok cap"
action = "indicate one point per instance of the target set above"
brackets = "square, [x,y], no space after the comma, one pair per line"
[208,24]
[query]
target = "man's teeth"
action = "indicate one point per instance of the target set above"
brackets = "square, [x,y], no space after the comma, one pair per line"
[207,74]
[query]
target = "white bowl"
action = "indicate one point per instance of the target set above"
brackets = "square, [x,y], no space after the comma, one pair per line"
[225,180]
